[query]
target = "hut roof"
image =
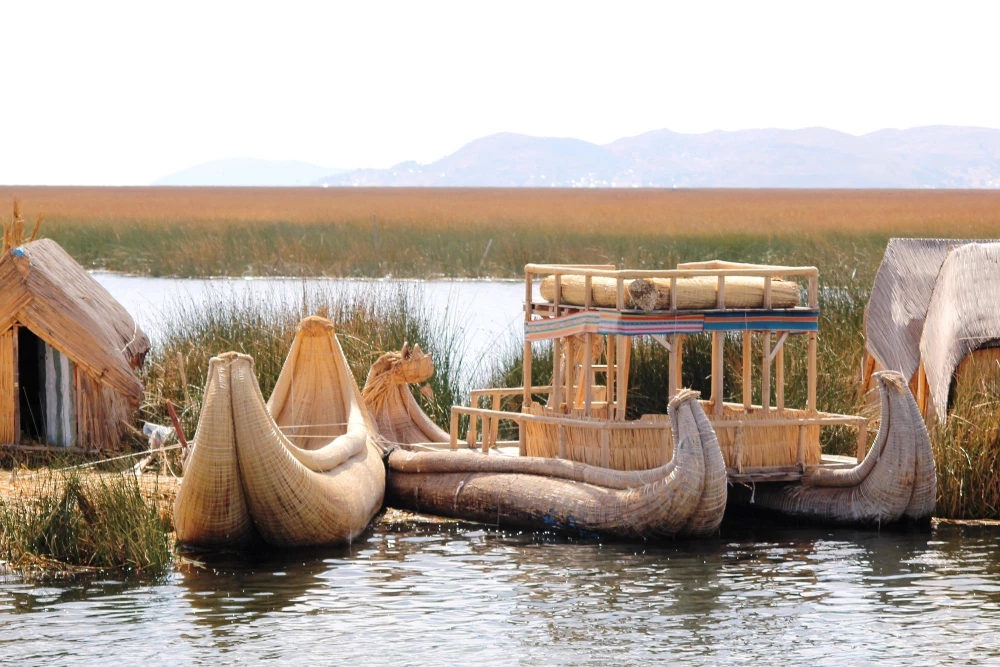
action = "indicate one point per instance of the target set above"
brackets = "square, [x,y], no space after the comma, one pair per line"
[962,316]
[44,289]
[894,317]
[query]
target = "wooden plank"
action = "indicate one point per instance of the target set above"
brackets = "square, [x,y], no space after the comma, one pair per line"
[471,436]
[454,429]
[627,363]
[557,372]
[526,363]
[679,351]
[588,373]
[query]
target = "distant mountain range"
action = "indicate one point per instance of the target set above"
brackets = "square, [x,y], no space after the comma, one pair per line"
[249,172]
[923,157]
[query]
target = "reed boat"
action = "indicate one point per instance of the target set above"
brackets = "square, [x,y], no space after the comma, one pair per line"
[590,315]
[302,469]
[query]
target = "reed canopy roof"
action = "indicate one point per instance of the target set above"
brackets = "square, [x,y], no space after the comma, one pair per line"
[894,318]
[963,315]
[44,289]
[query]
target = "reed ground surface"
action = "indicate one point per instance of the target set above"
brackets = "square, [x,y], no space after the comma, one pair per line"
[460,233]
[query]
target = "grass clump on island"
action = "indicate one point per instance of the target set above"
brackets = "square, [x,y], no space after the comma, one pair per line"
[69,523]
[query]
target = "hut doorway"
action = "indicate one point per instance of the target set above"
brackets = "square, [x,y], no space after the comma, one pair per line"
[46,391]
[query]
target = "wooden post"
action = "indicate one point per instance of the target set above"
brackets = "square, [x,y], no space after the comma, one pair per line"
[605,448]
[588,372]
[454,430]
[556,396]
[718,341]
[672,378]
[801,451]
[17,386]
[562,441]
[569,371]
[609,376]
[811,380]
[679,351]
[779,379]
[765,373]
[747,370]
[718,360]
[527,343]
[470,437]
[621,370]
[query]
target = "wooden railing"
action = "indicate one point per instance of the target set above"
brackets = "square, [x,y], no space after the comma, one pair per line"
[486,421]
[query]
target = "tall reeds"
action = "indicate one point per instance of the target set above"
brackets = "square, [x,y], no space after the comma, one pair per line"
[371,319]
[70,523]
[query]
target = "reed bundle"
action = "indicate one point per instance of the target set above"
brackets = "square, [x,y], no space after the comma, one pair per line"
[573,291]
[702,293]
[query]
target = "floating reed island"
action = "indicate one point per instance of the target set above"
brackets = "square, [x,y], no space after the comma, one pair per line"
[580,465]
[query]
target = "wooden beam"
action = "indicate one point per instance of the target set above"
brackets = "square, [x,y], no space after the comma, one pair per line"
[609,377]
[17,386]
[526,363]
[673,373]
[718,360]
[588,372]
[621,384]
[569,371]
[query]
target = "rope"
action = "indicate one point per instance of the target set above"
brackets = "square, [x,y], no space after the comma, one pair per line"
[97,463]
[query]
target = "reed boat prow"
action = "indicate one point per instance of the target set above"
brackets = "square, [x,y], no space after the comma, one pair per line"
[895,480]
[210,509]
[310,470]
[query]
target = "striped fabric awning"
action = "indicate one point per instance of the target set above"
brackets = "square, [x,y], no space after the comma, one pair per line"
[638,324]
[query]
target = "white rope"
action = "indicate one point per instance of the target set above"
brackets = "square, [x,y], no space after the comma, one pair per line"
[102,461]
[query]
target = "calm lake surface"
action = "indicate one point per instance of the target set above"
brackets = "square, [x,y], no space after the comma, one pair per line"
[418,593]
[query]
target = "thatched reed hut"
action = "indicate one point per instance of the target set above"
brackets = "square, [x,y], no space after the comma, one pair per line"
[934,316]
[68,354]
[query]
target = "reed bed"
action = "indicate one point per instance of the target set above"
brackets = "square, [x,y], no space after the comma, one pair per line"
[370,320]
[479,232]
[70,523]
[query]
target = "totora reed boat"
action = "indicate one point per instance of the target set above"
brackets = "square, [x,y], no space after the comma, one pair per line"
[303,469]
[575,433]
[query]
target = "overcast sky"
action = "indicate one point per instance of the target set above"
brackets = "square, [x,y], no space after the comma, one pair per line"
[100,93]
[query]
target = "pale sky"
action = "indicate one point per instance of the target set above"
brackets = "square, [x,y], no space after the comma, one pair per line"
[109,94]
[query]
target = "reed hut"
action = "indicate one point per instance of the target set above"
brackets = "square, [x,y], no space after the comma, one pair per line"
[68,354]
[934,316]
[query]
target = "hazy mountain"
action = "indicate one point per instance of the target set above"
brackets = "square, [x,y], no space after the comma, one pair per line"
[923,157]
[249,172]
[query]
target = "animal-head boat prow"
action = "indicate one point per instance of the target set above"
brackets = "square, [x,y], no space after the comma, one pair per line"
[314,325]
[408,366]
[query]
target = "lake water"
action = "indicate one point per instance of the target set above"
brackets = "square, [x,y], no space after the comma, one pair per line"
[419,594]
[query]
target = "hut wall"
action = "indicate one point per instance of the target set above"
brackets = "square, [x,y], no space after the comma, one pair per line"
[101,414]
[8,396]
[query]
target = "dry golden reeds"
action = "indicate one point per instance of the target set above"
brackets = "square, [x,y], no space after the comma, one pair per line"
[13,229]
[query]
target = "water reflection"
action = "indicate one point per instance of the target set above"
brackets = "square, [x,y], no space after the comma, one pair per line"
[419,593]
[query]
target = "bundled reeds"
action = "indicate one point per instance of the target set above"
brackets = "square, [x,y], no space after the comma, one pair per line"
[13,229]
